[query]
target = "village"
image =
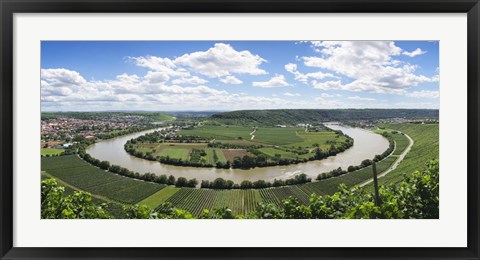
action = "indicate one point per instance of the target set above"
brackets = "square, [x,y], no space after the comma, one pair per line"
[61,131]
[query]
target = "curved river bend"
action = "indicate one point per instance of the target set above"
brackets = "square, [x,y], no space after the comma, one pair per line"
[366,145]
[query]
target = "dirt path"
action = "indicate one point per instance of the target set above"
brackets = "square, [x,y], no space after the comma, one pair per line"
[394,165]
[252,134]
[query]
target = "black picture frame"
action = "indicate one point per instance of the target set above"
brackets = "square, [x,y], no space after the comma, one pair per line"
[10,7]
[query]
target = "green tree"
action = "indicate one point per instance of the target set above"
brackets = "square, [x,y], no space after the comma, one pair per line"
[181,182]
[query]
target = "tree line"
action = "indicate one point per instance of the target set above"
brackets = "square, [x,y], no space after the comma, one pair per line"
[222,184]
[296,116]
[150,177]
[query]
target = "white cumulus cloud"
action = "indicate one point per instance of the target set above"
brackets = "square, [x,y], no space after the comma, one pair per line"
[222,60]
[159,64]
[192,80]
[414,53]
[275,82]
[334,84]
[288,94]
[304,77]
[371,66]
[231,80]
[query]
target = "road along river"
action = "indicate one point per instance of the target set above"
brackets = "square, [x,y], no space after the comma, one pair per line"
[366,145]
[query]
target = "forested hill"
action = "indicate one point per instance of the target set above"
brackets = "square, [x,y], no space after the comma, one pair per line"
[295,116]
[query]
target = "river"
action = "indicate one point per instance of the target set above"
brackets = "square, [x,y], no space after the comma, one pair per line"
[366,145]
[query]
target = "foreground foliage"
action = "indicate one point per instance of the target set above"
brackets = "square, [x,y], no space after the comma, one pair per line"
[57,205]
[417,196]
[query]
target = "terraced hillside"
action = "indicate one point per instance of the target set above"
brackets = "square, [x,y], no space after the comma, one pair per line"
[425,148]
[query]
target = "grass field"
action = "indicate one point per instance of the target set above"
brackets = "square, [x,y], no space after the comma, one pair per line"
[159,197]
[179,153]
[220,155]
[219,132]
[174,150]
[277,136]
[74,171]
[310,138]
[51,151]
[210,156]
[273,151]
[264,135]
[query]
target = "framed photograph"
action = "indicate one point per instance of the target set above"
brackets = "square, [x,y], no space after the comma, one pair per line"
[233,129]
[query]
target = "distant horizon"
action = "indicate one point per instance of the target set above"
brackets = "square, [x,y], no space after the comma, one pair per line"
[222,111]
[238,75]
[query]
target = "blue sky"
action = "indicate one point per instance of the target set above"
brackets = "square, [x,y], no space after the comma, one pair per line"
[232,75]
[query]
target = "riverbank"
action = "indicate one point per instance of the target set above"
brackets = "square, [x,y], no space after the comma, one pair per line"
[366,145]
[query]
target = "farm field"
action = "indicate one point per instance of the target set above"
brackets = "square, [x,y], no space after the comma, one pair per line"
[74,171]
[286,144]
[160,196]
[174,150]
[180,153]
[220,132]
[277,136]
[329,186]
[113,208]
[425,148]
[318,138]
[230,154]
[196,200]
[51,151]
[274,151]
[220,155]
[400,141]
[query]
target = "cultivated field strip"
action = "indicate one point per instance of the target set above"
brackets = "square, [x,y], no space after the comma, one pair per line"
[401,143]
[240,201]
[330,186]
[269,197]
[276,195]
[180,196]
[84,176]
[196,200]
[159,197]
[61,162]
[193,200]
